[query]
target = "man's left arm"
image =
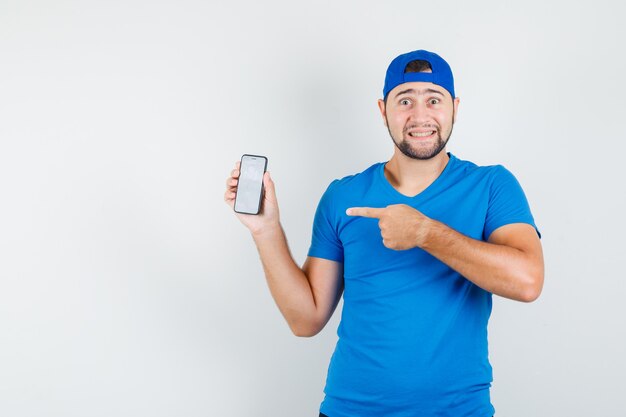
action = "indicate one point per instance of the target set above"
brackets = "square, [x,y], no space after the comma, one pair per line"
[509,264]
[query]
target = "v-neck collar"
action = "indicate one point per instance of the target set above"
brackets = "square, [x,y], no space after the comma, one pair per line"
[424,193]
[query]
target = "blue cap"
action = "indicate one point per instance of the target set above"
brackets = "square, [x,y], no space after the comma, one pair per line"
[441,75]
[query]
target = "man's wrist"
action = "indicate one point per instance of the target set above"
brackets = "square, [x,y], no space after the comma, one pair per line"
[267,231]
[426,229]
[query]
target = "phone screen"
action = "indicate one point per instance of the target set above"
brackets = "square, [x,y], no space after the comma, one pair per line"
[250,185]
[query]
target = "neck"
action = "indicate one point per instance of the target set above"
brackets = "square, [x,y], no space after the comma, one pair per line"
[412,176]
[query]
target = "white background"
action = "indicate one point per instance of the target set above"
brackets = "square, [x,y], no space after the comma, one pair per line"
[128,287]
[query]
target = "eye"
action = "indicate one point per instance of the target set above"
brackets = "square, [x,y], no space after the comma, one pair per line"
[405,101]
[433,101]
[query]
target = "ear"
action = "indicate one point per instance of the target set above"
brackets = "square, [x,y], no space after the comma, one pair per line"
[381,107]
[455,103]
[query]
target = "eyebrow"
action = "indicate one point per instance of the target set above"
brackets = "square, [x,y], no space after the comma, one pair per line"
[421,92]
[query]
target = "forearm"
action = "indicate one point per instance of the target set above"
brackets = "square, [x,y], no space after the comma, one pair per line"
[499,269]
[287,282]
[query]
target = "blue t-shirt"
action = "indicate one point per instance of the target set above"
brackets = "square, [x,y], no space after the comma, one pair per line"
[413,332]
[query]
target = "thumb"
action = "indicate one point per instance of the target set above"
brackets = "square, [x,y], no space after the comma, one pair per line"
[270,190]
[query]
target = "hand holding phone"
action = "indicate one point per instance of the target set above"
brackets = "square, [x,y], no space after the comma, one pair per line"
[249,193]
[264,202]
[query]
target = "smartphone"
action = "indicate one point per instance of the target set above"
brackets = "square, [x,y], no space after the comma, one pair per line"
[250,185]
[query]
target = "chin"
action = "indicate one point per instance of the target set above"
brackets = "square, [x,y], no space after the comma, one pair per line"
[422,154]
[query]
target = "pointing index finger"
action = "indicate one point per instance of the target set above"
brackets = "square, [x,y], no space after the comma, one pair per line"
[370,212]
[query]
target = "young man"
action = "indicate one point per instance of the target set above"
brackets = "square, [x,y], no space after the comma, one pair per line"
[417,246]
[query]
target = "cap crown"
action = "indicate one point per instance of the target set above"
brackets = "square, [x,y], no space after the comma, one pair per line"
[441,72]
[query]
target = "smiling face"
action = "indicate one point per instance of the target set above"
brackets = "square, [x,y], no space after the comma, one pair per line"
[419,117]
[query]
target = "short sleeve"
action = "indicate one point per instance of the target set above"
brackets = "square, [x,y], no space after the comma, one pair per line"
[325,241]
[507,203]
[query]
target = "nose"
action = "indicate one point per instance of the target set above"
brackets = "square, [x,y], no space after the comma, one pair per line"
[419,112]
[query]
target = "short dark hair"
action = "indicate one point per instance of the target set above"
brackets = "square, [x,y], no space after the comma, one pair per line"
[419,65]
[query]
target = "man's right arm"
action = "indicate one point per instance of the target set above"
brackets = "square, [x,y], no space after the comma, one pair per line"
[307,296]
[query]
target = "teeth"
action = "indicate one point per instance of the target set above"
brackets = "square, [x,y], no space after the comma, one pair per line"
[421,134]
